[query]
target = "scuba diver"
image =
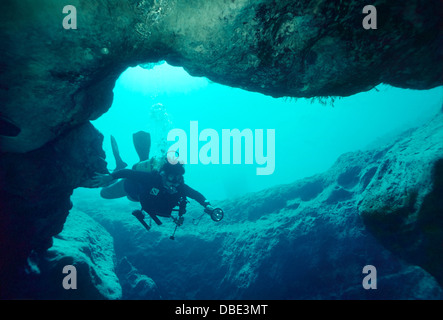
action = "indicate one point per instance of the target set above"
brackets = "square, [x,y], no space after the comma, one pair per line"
[159,191]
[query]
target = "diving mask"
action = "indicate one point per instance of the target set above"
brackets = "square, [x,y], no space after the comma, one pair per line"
[171,182]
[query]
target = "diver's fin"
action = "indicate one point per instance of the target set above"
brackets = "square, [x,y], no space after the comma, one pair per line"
[120,164]
[142,144]
[140,217]
[155,218]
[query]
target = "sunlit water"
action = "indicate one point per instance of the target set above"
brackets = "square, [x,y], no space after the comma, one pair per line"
[309,135]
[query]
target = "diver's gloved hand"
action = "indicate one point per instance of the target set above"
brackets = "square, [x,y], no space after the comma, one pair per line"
[101,180]
[208,207]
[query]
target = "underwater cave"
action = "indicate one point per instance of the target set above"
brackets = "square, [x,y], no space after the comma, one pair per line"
[357,117]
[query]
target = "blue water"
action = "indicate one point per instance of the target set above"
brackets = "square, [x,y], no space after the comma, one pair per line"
[309,135]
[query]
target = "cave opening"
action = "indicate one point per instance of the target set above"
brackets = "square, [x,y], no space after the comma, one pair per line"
[310,134]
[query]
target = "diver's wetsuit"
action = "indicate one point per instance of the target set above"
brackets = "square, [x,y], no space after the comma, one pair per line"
[147,187]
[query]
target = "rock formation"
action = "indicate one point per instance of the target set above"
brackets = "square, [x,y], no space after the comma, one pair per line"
[402,205]
[53,80]
[83,244]
[35,194]
[88,247]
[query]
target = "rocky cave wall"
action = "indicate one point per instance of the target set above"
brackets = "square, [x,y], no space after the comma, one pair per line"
[53,81]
